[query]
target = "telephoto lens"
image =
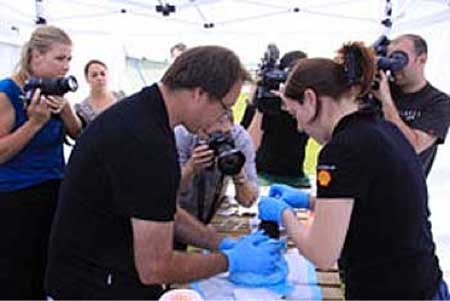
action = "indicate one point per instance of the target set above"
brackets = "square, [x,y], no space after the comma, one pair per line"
[50,86]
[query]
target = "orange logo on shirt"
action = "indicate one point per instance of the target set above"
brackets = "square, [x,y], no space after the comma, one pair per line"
[324,178]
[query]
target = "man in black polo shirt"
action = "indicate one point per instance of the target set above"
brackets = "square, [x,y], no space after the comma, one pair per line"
[421,111]
[117,217]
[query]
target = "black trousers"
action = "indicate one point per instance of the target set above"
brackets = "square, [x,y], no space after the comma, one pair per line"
[25,221]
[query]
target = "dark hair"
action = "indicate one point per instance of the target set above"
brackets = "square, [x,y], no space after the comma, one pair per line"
[420,45]
[91,62]
[290,58]
[215,69]
[354,67]
[179,46]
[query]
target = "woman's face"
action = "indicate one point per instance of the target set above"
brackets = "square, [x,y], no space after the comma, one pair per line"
[53,63]
[97,76]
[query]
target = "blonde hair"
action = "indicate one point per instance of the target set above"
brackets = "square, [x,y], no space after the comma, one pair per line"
[42,39]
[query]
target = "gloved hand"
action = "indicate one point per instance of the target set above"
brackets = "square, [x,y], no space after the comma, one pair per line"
[294,197]
[271,209]
[253,253]
[227,243]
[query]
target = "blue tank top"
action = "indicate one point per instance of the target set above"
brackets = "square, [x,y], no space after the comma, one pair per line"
[42,158]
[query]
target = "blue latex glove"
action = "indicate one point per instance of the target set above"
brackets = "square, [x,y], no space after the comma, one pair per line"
[227,243]
[253,253]
[271,209]
[294,197]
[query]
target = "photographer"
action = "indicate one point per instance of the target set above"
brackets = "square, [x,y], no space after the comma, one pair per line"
[420,111]
[280,147]
[202,185]
[31,162]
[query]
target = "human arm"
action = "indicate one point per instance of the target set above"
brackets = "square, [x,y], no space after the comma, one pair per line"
[61,106]
[419,139]
[246,181]
[189,230]
[13,142]
[156,262]
[321,241]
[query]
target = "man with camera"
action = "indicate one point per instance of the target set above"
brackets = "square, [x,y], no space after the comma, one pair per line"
[420,111]
[280,147]
[113,233]
[203,175]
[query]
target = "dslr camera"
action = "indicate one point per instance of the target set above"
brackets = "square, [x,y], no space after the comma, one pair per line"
[396,61]
[270,77]
[229,159]
[49,86]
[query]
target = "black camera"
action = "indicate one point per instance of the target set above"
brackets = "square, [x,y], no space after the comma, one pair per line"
[396,61]
[49,86]
[270,77]
[229,159]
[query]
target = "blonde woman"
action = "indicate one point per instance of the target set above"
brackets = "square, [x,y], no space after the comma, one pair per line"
[31,162]
[100,97]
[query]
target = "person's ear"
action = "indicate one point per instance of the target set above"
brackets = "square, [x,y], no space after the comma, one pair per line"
[423,58]
[310,102]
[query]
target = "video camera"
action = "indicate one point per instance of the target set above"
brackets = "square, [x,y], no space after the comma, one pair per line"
[270,77]
[396,61]
[49,86]
[229,159]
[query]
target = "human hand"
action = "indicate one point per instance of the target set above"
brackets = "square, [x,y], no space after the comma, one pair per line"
[37,110]
[56,103]
[202,157]
[292,196]
[227,243]
[271,209]
[383,92]
[255,253]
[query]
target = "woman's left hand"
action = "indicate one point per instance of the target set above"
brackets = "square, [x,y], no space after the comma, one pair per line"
[56,103]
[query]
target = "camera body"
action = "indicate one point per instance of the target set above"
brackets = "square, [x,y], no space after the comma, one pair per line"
[229,159]
[49,86]
[396,61]
[271,76]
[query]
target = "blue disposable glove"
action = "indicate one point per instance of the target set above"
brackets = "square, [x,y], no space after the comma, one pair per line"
[227,243]
[294,197]
[271,209]
[253,253]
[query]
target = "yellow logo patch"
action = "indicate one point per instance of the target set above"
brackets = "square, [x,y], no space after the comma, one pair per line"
[324,178]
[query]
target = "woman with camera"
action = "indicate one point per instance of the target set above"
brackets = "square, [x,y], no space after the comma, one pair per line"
[371,209]
[100,97]
[32,162]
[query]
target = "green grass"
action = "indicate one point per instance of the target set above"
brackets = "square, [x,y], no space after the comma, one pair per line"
[312,148]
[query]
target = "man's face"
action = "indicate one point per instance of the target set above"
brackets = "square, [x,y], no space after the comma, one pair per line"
[413,71]
[209,111]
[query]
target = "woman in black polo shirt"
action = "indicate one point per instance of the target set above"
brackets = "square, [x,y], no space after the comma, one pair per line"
[371,208]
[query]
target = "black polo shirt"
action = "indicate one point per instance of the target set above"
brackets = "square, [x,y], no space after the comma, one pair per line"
[124,165]
[389,250]
[427,110]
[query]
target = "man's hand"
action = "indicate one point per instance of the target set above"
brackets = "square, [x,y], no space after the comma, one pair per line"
[271,209]
[292,196]
[202,157]
[227,243]
[383,93]
[253,253]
